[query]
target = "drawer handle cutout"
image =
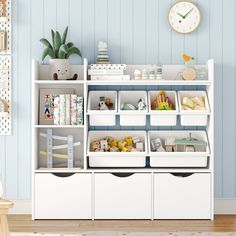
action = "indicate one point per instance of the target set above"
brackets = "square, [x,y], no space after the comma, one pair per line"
[122,175]
[183,175]
[63,175]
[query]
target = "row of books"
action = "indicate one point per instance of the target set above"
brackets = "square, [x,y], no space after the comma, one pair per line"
[68,109]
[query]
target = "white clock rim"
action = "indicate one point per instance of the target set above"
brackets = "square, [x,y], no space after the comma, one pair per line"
[182,1]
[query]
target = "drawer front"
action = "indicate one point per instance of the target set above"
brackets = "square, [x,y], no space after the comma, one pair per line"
[120,196]
[62,196]
[183,196]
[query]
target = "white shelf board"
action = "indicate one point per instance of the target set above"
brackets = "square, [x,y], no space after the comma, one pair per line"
[149,82]
[59,170]
[76,82]
[59,126]
[125,170]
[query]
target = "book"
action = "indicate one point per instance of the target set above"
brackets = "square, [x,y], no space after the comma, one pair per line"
[110,77]
[56,110]
[62,108]
[67,109]
[73,100]
[105,72]
[108,66]
[80,112]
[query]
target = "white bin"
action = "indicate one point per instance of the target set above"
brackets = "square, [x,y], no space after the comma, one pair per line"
[132,117]
[163,118]
[102,117]
[117,159]
[194,117]
[178,159]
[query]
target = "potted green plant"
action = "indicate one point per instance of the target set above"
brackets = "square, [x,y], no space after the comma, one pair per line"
[59,52]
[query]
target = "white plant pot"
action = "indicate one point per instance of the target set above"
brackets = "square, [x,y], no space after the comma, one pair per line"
[61,67]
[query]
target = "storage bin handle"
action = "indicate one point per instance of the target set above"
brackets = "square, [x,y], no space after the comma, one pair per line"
[122,175]
[63,175]
[183,175]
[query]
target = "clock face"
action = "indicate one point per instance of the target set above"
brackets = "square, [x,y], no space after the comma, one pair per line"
[184,17]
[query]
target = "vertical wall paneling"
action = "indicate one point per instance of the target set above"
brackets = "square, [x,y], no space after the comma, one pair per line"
[203,32]
[62,10]
[29,33]
[88,26]
[229,163]
[11,153]
[2,161]
[75,27]
[152,26]
[165,44]
[127,31]
[49,18]
[216,53]
[139,32]
[114,28]
[101,23]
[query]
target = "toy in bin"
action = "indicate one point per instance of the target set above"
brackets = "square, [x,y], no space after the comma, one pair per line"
[141,106]
[190,144]
[105,104]
[110,144]
[162,102]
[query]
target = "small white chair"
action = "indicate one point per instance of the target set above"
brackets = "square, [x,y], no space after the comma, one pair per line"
[4,207]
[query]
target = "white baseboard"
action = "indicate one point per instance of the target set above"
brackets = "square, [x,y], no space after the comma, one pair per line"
[21,207]
[225,206]
[222,206]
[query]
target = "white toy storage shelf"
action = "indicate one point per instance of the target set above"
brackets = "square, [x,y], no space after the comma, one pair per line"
[126,185]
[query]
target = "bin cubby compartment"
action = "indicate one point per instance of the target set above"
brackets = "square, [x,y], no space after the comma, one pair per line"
[117,159]
[179,157]
[163,117]
[132,117]
[60,148]
[193,117]
[102,117]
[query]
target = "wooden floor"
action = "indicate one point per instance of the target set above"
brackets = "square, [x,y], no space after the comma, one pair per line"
[23,223]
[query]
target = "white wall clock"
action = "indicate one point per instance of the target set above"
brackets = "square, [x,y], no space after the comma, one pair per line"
[184,17]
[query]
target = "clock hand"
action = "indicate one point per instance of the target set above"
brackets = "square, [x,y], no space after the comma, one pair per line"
[187,13]
[180,15]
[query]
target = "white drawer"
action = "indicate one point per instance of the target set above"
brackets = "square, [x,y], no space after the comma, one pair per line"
[127,197]
[62,196]
[186,196]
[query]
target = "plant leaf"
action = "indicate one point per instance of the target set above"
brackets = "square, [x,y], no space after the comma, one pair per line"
[63,50]
[70,44]
[64,36]
[57,42]
[52,33]
[46,43]
[73,50]
[48,52]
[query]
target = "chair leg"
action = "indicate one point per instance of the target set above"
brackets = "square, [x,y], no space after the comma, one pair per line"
[4,226]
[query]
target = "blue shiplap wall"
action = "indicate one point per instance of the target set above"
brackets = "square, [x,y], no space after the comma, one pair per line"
[137,32]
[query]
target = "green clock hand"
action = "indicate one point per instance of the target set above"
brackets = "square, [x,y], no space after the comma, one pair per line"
[180,15]
[188,13]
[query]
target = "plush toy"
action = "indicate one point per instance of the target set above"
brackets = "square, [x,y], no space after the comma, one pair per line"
[102,104]
[108,103]
[55,77]
[141,105]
